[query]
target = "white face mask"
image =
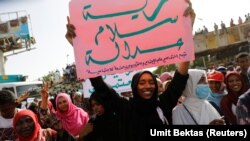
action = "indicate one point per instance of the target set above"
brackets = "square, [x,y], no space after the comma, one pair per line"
[202,91]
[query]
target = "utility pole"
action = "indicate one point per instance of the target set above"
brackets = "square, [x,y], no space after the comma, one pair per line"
[2,61]
[67,59]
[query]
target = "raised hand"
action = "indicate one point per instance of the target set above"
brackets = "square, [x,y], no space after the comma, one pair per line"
[44,94]
[70,35]
[23,97]
[190,11]
[183,66]
[45,91]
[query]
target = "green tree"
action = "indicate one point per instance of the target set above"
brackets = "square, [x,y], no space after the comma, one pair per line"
[49,77]
[164,68]
[158,70]
[171,67]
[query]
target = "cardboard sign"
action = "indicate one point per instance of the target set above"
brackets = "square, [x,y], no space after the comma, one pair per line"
[120,36]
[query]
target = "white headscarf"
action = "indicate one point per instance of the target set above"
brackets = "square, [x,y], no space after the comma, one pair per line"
[202,111]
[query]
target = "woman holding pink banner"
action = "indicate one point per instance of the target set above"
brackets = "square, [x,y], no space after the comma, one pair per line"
[146,109]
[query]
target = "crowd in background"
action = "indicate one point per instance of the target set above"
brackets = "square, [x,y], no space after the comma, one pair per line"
[216,97]
[187,97]
[223,28]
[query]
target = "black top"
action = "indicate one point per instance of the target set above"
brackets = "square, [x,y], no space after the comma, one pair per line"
[135,116]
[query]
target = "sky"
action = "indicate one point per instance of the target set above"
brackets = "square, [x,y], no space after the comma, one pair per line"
[48,23]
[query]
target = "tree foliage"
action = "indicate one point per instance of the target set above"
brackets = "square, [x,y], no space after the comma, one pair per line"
[49,77]
[161,69]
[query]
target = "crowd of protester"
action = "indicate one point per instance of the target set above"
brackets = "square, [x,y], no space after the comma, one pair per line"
[190,97]
[187,97]
[223,28]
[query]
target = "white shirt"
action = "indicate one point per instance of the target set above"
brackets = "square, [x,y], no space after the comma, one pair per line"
[6,123]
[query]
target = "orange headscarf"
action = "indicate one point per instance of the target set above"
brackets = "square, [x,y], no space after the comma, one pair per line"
[37,129]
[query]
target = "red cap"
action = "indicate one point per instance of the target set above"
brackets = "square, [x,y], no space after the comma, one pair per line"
[215,76]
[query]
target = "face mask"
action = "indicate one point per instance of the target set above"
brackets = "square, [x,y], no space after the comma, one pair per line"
[202,91]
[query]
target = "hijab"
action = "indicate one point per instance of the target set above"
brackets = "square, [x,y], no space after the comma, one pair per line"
[202,111]
[74,119]
[37,126]
[144,106]
[231,98]
[106,125]
[102,99]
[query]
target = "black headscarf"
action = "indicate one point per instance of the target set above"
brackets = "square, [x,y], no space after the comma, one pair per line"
[144,106]
[105,125]
[102,99]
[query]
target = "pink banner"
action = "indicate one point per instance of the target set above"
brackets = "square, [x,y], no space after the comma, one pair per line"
[119,36]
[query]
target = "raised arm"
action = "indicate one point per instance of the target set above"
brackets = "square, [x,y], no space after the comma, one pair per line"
[97,82]
[178,83]
[23,97]
[190,12]
[44,95]
[70,34]
[183,66]
[170,97]
[100,85]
